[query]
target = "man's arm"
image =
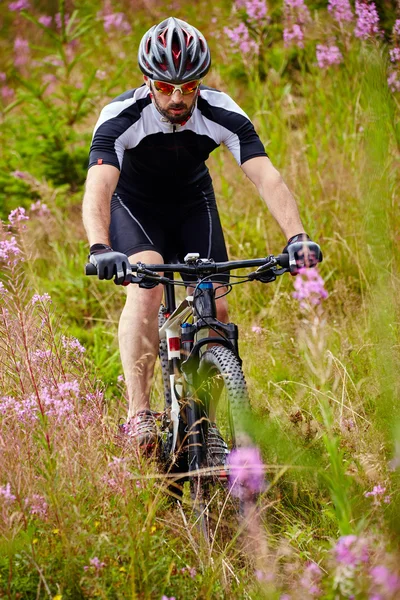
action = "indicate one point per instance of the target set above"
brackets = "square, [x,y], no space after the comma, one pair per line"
[100,185]
[275,194]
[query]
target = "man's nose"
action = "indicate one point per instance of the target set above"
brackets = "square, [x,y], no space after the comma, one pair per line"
[176,96]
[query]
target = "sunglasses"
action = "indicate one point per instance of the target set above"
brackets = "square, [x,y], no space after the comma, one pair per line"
[169,88]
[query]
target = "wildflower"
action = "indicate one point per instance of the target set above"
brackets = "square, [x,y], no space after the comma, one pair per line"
[45,20]
[309,286]
[37,506]
[164,597]
[3,76]
[396,28]
[95,564]
[5,491]
[19,5]
[311,578]
[394,54]
[120,378]
[246,471]
[117,21]
[394,81]
[240,38]
[44,299]
[71,344]
[351,550]
[190,571]
[40,208]
[256,11]
[101,74]
[19,174]
[341,10]
[57,20]
[381,576]
[297,11]
[294,35]
[367,20]
[17,215]
[3,290]
[328,55]
[21,51]
[256,329]
[377,494]
[9,251]
[6,92]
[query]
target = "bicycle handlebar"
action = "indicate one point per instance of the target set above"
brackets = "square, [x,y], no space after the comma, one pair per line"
[206,267]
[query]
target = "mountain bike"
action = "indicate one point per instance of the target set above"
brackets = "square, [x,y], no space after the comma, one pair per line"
[207,410]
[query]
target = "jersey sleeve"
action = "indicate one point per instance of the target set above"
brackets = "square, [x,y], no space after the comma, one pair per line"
[236,130]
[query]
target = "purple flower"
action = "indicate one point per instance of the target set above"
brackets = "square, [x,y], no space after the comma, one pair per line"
[40,208]
[240,39]
[3,76]
[9,251]
[311,578]
[394,81]
[71,344]
[95,564]
[116,21]
[309,287]
[294,36]
[378,490]
[8,497]
[396,28]
[246,472]
[328,55]
[341,10]
[17,215]
[19,5]
[37,506]
[394,54]
[6,92]
[351,550]
[164,597]
[296,11]
[19,174]
[21,51]
[256,329]
[382,577]
[256,11]
[45,298]
[45,20]
[367,20]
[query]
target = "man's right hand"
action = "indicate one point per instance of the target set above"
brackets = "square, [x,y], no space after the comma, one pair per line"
[110,264]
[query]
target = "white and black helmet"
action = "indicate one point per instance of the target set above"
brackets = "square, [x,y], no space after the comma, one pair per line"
[174,51]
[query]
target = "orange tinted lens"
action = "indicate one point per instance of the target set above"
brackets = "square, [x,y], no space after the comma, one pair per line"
[163,87]
[190,86]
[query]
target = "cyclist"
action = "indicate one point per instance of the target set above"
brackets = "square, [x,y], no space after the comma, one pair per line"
[149,194]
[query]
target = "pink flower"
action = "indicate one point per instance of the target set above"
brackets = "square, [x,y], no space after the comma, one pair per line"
[328,55]
[21,51]
[6,92]
[396,28]
[45,20]
[394,81]
[311,578]
[37,506]
[240,39]
[294,36]
[351,550]
[95,564]
[341,10]
[309,287]
[394,54]
[40,208]
[8,497]
[256,329]
[296,11]
[3,76]
[17,215]
[116,21]
[246,472]
[9,251]
[19,5]
[256,11]
[382,577]
[44,299]
[19,174]
[71,344]
[367,20]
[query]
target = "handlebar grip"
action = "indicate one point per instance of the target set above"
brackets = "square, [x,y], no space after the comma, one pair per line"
[90,269]
[283,260]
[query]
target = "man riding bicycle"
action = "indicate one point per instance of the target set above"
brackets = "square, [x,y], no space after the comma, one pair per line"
[149,195]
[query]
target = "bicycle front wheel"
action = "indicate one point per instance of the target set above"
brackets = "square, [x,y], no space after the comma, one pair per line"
[223,390]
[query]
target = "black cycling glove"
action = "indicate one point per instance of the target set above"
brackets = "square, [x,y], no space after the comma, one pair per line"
[110,264]
[302,252]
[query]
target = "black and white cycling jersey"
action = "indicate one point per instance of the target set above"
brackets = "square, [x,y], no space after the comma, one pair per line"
[151,153]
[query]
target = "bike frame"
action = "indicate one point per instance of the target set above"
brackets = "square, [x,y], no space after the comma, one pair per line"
[188,340]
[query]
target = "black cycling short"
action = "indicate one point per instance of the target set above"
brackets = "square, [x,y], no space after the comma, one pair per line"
[173,225]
